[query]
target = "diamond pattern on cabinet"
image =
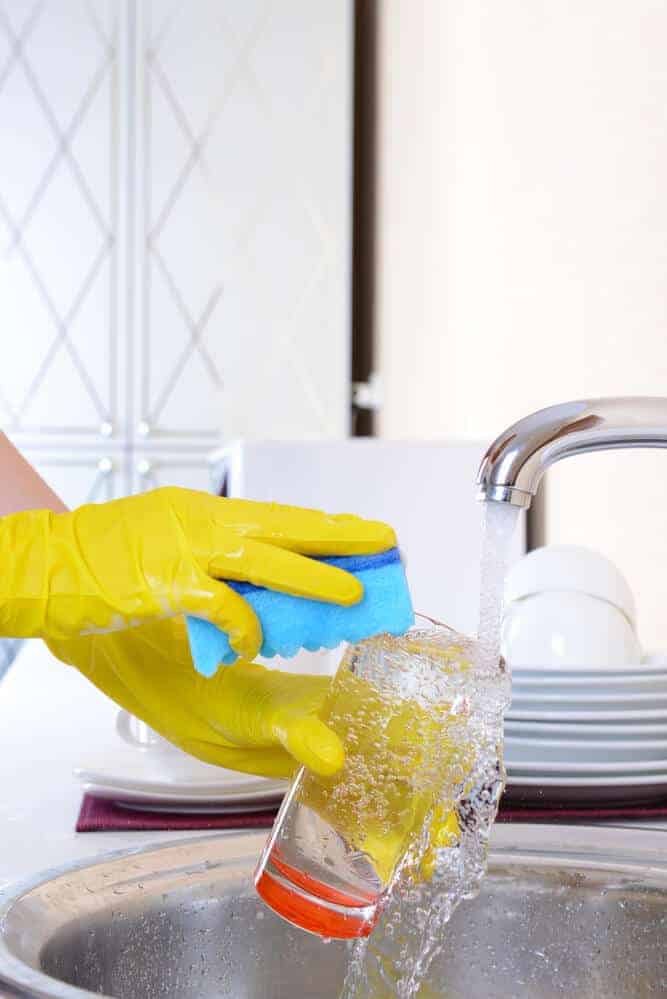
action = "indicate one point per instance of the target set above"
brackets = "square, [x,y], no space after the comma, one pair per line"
[247,122]
[58,214]
[212,142]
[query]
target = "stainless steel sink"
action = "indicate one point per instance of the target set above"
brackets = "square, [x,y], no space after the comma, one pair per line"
[565,911]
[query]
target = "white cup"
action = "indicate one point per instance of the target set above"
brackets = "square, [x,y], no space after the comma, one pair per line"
[568,607]
[567,631]
[139,735]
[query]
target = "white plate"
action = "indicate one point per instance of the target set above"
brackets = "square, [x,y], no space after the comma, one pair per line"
[96,784]
[585,716]
[586,688]
[588,768]
[145,782]
[601,697]
[629,678]
[178,809]
[576,751]
[592,782]
[593,733]
[629,669]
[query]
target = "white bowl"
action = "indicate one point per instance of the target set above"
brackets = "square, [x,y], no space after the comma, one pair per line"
[566,630]
[568,608]
[569,569]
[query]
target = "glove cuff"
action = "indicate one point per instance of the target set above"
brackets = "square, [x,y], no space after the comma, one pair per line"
[24,573]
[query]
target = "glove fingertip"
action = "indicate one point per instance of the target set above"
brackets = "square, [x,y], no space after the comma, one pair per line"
[315,746]
[365,536]
[385,536]
[246,643]
[350,592]
[244,631]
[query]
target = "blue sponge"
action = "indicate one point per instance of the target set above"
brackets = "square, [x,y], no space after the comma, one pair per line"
[293,623]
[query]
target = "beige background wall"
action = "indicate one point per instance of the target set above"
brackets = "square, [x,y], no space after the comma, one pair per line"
[522,232]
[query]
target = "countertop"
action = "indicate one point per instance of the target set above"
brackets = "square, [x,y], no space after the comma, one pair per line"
[52,720]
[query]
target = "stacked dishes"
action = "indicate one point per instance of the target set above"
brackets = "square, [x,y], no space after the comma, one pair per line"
[588,720]
[587,737]
[187,787]
[142,771]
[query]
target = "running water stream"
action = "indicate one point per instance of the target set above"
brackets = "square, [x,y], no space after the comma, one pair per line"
[395,960]
[499,524]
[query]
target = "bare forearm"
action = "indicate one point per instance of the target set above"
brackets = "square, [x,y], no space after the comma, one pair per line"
[21,488]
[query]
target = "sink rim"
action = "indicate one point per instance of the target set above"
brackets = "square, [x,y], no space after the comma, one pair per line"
[604,848]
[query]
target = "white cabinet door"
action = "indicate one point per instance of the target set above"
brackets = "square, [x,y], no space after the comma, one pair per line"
[81,475]
[175,225]
[58,216]
[155,468]
[246,157]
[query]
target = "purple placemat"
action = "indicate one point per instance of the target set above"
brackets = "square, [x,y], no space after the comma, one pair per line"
[100,815]
[571,813]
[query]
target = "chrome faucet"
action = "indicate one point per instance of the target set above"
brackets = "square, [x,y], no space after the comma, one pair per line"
[514,464]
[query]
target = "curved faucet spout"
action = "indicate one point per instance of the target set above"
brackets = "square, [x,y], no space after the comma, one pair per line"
[516,461]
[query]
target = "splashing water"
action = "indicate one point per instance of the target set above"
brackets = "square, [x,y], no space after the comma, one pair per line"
[498,528]
[396,959]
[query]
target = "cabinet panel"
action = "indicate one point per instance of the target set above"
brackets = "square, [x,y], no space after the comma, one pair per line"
[190,469]
[79,476]
[58,215]
[175,222]
[246,126]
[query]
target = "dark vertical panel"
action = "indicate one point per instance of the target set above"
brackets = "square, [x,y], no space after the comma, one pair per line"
[536,518]
[363,226]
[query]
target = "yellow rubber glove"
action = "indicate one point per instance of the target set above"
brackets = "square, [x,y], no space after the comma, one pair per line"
[111,566]
[246,717]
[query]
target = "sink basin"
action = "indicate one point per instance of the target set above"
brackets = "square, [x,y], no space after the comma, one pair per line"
[564,911]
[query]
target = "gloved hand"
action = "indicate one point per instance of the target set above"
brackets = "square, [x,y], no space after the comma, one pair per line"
[246,717]
[115,565]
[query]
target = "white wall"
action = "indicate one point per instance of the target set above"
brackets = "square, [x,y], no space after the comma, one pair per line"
[523,236]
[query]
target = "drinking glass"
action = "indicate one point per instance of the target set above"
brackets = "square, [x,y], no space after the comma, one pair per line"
[401,708]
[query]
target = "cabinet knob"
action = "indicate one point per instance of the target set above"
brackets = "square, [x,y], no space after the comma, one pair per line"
[105,466]
[106,428]
[143,428]
[144,467]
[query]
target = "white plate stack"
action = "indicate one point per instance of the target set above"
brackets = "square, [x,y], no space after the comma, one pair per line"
[190,788]
[588,721]
[588,737]
[141,771]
